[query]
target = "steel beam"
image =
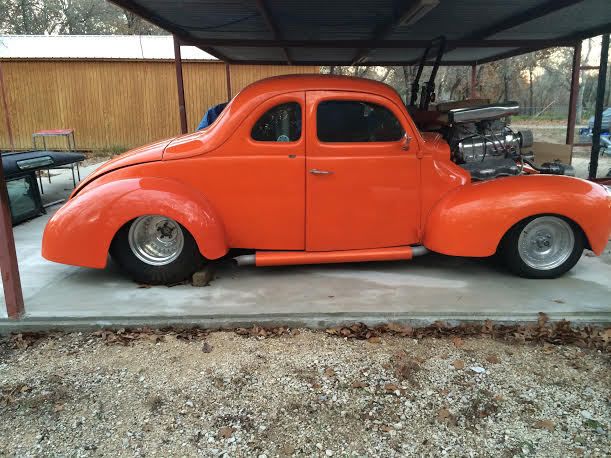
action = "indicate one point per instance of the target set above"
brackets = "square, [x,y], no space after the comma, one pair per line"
[574,95]
[9,268]
[182,111]
[598,112]
[378,44]
[271,25]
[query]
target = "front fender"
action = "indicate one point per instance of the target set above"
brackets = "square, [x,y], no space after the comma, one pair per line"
[81,231]
[472,219]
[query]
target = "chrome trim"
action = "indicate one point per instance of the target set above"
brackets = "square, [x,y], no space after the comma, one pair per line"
[494,111]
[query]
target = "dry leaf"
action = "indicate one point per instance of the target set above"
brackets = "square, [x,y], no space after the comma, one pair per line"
[545,424]
[459,364]
[386,428]
[442,414]
[445,415]
[374,340]
[329,372]
[359,385]
[493,359]
[391,387]
[226,432]
[458,342]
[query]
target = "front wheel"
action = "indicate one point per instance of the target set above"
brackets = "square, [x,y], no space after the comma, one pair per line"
[543,246]
[154,249]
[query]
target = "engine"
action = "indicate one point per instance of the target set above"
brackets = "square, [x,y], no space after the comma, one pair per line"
[482,143]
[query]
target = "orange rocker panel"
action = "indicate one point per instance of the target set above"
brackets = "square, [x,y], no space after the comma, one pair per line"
[319,169]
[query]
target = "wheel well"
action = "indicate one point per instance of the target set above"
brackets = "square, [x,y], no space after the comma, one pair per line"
[566,218]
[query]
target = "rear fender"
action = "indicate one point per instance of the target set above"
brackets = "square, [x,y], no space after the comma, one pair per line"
[81,232]
[471,220]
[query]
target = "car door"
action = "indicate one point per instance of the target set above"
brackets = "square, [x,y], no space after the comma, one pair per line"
[255,179]
[362,185]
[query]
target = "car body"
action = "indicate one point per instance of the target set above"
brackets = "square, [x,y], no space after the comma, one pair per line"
[293,198]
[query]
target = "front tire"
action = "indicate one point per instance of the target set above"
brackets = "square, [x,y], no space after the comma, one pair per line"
[544,246]
[154,249]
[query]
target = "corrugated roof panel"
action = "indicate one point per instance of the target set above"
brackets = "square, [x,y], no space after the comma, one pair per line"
[458,19]
[351,20]
[579,18]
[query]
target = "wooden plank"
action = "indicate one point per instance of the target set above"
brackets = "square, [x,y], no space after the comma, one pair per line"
[116,105]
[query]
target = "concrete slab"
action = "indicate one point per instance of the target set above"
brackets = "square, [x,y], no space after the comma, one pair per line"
[426,289]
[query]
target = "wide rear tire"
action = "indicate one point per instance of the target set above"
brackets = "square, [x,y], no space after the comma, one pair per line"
[543,246]
[155,250]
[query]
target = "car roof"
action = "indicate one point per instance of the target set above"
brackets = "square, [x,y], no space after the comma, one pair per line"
[317,82]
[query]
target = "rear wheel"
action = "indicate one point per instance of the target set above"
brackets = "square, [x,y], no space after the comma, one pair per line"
[543,246]
[154,249]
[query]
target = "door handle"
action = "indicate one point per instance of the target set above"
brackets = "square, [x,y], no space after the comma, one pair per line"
[320,172]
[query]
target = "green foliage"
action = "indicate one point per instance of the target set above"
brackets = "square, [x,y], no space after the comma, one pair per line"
[70,17]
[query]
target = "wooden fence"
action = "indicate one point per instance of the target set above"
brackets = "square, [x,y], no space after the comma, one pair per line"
[115,104]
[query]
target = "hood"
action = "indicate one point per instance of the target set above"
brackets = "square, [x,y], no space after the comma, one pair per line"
[148,153]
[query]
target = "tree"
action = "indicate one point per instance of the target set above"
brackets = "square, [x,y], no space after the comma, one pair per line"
[67,17]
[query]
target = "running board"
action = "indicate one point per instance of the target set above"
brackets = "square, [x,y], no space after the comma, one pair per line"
[283,258]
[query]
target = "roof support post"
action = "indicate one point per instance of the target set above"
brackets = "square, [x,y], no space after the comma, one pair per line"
[13,295]
[575,73]
[473,81]
[182,111]
[9,269]
[228,79]
[598,112]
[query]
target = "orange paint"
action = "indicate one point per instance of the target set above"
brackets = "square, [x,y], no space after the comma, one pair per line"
[283,258]
[230,191]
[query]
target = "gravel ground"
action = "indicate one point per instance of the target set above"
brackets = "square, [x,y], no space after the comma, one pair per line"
[310,393]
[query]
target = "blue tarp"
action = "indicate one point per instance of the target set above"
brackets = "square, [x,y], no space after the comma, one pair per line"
[211,116]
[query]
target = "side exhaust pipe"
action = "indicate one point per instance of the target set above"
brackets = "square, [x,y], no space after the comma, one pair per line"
[280,258]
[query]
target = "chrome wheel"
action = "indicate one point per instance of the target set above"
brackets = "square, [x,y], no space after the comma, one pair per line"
[156,240]
[546,242]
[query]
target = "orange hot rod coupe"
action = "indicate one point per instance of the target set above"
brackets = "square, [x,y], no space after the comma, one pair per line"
[319,169]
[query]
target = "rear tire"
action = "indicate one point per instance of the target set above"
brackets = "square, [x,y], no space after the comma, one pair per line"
[543,246]
[155,250]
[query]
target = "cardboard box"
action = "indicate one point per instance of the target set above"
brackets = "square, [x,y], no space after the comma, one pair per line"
[550,152]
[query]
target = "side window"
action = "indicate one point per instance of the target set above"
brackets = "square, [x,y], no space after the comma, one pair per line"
[353,121]
[281,123]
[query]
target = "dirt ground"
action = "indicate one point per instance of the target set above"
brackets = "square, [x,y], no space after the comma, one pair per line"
[304,393]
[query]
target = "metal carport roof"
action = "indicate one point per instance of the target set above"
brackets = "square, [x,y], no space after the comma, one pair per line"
[373,32]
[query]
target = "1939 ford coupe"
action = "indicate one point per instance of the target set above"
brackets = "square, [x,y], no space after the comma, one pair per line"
[320,169]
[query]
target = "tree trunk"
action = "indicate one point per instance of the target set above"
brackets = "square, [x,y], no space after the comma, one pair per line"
[531,110]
